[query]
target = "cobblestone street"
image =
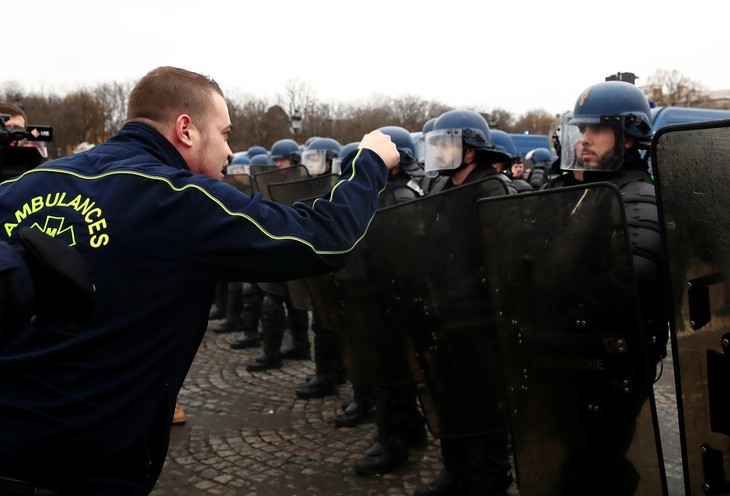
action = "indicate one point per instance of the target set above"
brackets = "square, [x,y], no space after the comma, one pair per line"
[247,434]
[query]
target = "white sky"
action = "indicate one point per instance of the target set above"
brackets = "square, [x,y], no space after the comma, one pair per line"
[478,54]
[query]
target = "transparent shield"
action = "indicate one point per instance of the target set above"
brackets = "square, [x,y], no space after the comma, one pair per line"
[591,143]
[578,380]
[315,161]
[443,150]
[693,186]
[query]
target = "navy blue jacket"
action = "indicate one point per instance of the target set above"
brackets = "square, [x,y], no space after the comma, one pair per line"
[88,411]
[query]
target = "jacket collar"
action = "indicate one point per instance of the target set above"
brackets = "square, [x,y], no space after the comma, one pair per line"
[153,142]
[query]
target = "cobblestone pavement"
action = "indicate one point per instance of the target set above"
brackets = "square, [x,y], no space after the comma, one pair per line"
[248,435]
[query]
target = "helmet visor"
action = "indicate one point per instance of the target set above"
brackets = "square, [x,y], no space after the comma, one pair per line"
[337,165]
[235,169]
[443,150]
[591,143]
[315,161]
[421,148]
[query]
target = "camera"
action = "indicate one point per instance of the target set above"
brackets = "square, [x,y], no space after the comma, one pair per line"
[22,149]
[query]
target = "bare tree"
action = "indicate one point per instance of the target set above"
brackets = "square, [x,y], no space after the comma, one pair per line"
[669,88]
[500,119]
[297,96]
[410,112]
[535,122]
[113,98]
[83,120]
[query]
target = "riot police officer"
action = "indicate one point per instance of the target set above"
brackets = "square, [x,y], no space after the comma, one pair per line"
[272,302]
[466,155]
[460,150]
[606,139]
[286,153]
[318,157]
[503,142]
[540,160]
[400,423]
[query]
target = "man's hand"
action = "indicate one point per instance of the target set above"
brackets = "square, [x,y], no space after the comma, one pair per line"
[381,144]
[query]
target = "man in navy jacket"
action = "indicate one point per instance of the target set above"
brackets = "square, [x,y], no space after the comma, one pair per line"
[88,410]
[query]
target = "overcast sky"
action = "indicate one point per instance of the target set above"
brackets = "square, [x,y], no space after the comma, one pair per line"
[508,54]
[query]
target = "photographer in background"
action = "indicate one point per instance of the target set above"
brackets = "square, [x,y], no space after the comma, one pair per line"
[21,148]
[17,115]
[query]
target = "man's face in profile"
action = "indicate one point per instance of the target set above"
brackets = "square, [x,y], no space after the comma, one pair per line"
[445,152]
[596,145]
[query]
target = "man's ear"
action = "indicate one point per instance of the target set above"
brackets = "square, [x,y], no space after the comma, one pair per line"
[184,130]
[628,142]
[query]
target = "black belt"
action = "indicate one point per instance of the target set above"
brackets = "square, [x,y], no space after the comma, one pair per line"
[10,487]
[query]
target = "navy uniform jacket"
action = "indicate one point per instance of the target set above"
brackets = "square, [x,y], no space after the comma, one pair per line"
[88,411]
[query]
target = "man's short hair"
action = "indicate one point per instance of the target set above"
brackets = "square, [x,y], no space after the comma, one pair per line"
[166,92]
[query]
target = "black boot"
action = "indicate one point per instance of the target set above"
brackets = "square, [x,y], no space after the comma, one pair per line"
[250,317]
[246,342]
[474,466]
[319,387]
[299,328]
[487,464]
[272,331]
[326,355]
[360,410]
[218,309]
[383,458]
[445,484]
[234,307]
[400,426]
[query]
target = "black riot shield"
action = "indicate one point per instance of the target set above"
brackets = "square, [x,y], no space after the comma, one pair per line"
[242,182]
[302,189]
[387,197]
[693,186]
[263,179]
[417,275]
[293,190]
[577,375]
[255,170]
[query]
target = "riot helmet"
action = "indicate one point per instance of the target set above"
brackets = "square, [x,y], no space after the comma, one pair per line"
[503,142]
[454,132]
[320,154]
[256,150]
[239,164]
[286,149]
[403,141]
[346,149]
[261,159]
[428,126]
[592,136]
[240,158]
[539,157]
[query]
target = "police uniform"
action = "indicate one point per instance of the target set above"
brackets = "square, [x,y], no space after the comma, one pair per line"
[400,423]
[89,410]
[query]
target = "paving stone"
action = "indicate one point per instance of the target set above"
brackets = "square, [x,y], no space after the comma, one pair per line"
[248,435]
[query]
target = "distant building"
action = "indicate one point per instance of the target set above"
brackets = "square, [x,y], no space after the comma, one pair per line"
[628,77]
[718,99]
